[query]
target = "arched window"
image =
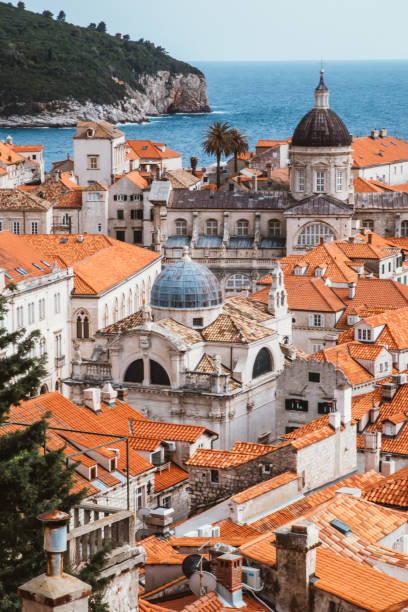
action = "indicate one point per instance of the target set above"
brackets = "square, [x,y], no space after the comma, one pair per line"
[44,389]
[282,298]
[211,227]
[313,233]
[242,227]
[238,282]
[158,375]
[43,346]
[106,316]
[404,229]
[274,227]
[82,325]
[181,227]
[136,298]
[129,306]
[262,364]
[143,296]
[149,289]
[123,307]
[115,310]
[135,372]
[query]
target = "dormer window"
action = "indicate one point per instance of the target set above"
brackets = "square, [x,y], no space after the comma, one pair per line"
[299,270]
[364,335]
[112,465]
[93,473]
[90,133]
[393,425]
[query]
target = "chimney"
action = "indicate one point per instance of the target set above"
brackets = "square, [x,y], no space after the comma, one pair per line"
[383,132]
[321,240]
[374,134]
[363,230]
[92,399]
[387,466]
[334,420]
[80,238]
[109,395]
[342,396]
[255,182]
[399,379]
[352,290]
[229,578]
[9,140]
[372,450]
[54,589]
[295,565]
[193,163]
[374,412]
[370,237]
[388,391]
[351,239]
[122,394]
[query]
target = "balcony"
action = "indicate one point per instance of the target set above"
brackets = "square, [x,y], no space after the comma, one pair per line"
[207,381]
[96,526]
[92,371]
[60,361]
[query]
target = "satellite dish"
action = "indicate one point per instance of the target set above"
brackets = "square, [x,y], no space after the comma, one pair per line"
[202,583]
[194,563]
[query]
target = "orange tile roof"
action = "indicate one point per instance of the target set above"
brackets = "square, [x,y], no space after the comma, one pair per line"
[72,199]
[306,293]
[362,185]
[271,143]
[160,552]
[167,431]
[170,477]
[136,178]
[341,358]
[264,487]
[395,332]
[101,129]
[27,148]
[368,352]
[219,459]
[99,262]
[228,328]
[392,491]
[131,321]
[362,586]
[363,250]
[67,180]
[370,152]
[253,448]
[8,156]
[147,149]
[313,437]
[402,187]
[373,295]
[16,253]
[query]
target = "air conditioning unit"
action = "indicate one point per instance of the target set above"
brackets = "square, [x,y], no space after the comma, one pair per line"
[205,531]
[171,446]
[215,532]
[251,576]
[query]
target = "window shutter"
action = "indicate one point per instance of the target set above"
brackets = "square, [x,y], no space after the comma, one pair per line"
[115,197]
[322,320]
[311,320]
[125,197]
[131,198]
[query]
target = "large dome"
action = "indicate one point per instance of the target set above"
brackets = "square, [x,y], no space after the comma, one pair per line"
[186,284]
[321,127]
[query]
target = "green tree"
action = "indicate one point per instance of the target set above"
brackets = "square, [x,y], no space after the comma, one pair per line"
[31,481]
[90,574]
[61,16]
[92,26]
[217,142]
[47,14]
[238,144]
[101,27]
[21,5]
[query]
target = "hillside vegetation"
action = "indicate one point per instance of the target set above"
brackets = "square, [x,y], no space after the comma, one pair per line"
[42,59]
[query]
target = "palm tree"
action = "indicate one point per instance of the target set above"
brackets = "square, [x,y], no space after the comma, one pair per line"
[238,144]
[217,142]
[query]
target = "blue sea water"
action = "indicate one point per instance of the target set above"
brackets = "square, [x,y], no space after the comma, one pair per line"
[265,100]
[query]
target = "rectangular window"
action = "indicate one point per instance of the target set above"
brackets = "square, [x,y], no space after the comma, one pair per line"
[339,183]
[57,303]
[166,502]
[16,227]
[319,182]
[1,226]
[316,320]
[93,162]
[139,498]
[389,266]
[324,407]
[20,316]
[94,196]
[120,235]
[297,404]
[314,377]
[300,180]
[120,214]
[41,309]
[382,268]
[92,473]
[34,227]
[121,197]
[58,345]
[137,236]
[215,477]
[198,322]
[317,347]
[31,312]
[136,213]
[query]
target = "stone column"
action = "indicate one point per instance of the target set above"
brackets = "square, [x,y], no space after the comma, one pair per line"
[194,233]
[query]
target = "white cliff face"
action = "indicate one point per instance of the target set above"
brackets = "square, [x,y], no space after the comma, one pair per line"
[163,93]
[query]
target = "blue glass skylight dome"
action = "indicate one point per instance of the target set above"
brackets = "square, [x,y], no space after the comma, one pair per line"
[186,284]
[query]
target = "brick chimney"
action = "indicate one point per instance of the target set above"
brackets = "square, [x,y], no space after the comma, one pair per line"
[122,394]
[229,578]
[295,565]
[55,590]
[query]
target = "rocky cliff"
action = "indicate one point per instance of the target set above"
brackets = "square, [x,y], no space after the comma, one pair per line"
[162,93]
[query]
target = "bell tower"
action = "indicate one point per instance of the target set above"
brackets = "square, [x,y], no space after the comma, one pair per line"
[278,304]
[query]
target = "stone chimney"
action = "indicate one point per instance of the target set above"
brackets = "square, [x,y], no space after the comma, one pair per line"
[374,134]
[372,450]
[352,290]
[122,394]
[109,395]
[335,420]
[342,396]
[9,140]
[387,466]
[229,579]
[55,590]
[255,182]
[92,398]
[383,132]
[295,565]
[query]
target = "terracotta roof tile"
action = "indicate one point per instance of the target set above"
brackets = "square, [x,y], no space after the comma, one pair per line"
[147,149]
[342,360]
[235,329]
[188,335]
[264,487]
[130,322]
[101,129]
[167,478]
[362,185]
[221,459]
[16,199]
[181,179]
[243,305]
[16,253]
[376,152]
[27,148]
[167,431]
[159,552]
[8,155]
[391,491]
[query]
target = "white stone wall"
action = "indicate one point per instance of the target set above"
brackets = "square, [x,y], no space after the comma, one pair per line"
[394,173]
[26,218]
[111,154]
[94,213]
[124,187]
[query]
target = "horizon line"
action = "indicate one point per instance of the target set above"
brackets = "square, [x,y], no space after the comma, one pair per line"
[379,59]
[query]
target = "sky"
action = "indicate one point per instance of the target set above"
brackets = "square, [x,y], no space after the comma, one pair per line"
[251,30]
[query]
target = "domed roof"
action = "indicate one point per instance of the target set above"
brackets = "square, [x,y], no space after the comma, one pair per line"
[321,127]
[186,284]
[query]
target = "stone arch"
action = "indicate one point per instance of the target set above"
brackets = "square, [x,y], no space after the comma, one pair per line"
[123,307]
[158,375]
[106,316]
[263,363]
[130,302]
[310,235]
[115,312]
[135,372]
[44,389]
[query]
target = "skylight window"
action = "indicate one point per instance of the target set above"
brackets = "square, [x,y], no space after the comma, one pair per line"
[8,276]
[340,526]
[63,240]
[22,271]
[45,263]
[37,266]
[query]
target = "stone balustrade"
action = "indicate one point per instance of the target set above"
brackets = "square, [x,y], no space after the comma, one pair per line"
[207,381]
[92,370]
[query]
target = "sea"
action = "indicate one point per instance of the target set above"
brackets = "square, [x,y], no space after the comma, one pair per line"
[264,100]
